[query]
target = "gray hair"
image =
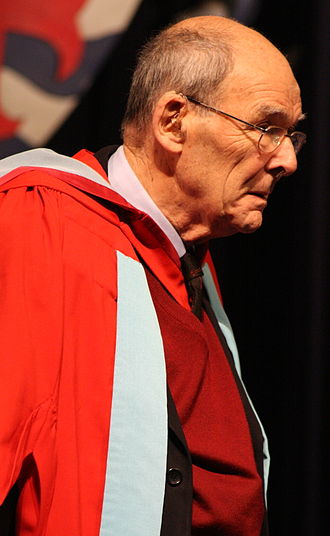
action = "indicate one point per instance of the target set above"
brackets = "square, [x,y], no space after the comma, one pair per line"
[192,62]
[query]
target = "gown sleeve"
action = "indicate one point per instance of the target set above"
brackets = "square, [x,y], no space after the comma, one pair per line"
[31,293]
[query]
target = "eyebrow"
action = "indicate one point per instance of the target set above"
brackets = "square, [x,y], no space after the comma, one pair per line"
[276,113]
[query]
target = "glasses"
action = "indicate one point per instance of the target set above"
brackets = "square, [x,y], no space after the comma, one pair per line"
[271,137]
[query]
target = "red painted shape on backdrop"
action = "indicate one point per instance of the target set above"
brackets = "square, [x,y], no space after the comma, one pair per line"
[52,22]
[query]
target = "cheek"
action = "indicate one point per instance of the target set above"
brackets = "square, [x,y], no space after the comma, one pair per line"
[243,175]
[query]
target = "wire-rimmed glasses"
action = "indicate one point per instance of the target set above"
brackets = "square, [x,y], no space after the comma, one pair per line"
[271,137]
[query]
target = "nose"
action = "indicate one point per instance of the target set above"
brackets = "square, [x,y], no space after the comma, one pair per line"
[283,160]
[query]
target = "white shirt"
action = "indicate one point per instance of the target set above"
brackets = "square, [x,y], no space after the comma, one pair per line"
[124,181]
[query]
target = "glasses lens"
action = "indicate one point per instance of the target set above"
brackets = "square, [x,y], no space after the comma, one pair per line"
[298,139]
[274,136]
[271,139]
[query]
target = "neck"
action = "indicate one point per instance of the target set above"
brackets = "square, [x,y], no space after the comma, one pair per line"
[157,176]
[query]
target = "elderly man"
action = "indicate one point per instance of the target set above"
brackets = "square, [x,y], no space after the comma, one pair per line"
[123,411]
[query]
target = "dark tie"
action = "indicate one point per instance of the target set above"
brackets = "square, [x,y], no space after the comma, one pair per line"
[192,273]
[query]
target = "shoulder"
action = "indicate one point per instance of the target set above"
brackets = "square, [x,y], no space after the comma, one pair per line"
[42,189]
[43,167]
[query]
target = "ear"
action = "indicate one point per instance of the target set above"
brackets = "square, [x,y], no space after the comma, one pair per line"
[168,121]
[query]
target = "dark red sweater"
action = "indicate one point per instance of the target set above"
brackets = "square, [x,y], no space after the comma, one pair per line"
[228,490]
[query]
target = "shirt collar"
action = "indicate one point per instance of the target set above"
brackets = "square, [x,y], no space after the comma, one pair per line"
[124,181]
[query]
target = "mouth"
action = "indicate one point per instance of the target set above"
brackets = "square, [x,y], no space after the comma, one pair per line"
[261,195]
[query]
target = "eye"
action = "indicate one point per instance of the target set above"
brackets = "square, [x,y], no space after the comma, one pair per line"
[264,125]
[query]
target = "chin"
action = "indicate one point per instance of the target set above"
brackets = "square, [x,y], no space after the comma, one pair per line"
[250,224]
[249,230]
[233,224]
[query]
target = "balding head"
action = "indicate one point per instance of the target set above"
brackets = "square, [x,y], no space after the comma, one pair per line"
[207,171]
[190,57]
[193,57]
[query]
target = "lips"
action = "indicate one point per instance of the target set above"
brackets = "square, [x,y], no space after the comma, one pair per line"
[262,195]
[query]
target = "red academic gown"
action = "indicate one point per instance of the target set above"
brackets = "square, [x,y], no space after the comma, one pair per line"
[62,253]
[59,297]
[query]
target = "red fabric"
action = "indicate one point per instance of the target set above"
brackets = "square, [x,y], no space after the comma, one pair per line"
[58,305]
[148,240]
[58,309]
[209,261]
[58,296]
[228,492]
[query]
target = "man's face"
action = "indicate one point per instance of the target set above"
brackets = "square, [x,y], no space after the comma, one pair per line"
[230,179]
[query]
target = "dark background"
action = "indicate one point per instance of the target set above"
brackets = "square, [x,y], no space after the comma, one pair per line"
[275,282]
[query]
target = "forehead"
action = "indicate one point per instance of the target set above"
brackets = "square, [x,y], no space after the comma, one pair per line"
[262,84]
